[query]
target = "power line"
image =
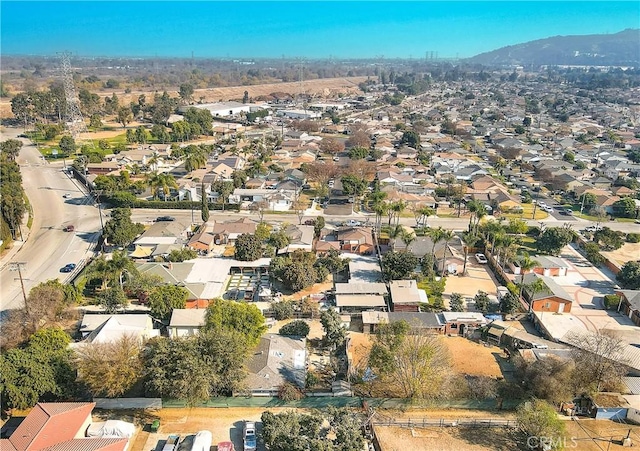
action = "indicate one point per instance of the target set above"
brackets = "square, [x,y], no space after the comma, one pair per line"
[19,266]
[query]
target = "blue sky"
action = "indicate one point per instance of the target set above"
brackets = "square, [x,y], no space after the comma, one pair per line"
[298,28]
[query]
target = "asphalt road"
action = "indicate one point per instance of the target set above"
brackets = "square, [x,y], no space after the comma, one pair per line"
[48,247]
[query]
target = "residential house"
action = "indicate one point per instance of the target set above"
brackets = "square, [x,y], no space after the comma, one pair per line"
[423,245]
[406,296]
[101,328]
[394,178]
[462,323]
[300,238]
[630,304]
[361,296]
[202,242]
[552,299]
[547,265]
[429,321]
[164,236]
[59,426]
[276,360]
[228,232]
[276,199]
[357,240]
[186,322]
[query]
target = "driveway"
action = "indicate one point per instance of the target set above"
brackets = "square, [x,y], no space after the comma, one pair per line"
[479,278]
[588,285]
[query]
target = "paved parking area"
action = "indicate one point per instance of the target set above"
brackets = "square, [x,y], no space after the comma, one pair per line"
[588,285]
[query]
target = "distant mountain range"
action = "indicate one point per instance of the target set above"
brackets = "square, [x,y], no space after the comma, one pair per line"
[619,49]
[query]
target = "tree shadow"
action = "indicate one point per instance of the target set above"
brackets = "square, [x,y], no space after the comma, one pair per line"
[496,439]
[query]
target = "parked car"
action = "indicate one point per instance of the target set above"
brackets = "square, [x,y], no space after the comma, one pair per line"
[352,223]
[172,443]
[68,267]
[165,218]
[66,195]
[593,228]
[481,258]
[548,209]
[249,434]
[225,446]
[69,228]
[310,222]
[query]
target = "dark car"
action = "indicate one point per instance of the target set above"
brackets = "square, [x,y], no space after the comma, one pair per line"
[310,222]
[68,268]
[165,218]
[69,228]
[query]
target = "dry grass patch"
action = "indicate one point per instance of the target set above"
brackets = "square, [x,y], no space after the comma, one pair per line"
[473,359]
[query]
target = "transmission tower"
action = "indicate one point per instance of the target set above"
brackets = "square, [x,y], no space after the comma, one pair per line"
[74,120]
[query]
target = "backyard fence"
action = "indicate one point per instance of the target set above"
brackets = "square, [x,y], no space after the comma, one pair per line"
[442,422]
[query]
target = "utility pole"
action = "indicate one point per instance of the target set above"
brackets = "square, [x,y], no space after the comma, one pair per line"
[19,266]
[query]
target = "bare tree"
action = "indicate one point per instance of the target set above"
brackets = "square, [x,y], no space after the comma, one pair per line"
[331,145]
[411,362]
[600,360]
[110,369]
[259,207]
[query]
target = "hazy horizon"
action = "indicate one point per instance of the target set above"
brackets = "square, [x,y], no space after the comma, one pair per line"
[315,30]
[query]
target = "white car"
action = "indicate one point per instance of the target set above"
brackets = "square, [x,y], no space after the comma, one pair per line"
[548,209]
[66,195]
[353,223]
[481,258]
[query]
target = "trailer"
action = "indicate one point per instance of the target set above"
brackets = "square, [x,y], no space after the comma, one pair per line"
[225,446]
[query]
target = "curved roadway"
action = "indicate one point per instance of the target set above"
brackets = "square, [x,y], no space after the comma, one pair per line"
[48,247]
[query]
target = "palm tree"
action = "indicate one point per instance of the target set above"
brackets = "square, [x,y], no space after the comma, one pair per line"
[536,286]
[436,236]
[477,210]
[408,238]
[526,263]
[491,230]
[119,264]
[195,159]
[380,210]
[446,237]
[504,247]
[161,181]
[422,214]
[397,208]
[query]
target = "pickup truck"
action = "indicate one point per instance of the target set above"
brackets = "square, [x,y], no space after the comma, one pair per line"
[249,434]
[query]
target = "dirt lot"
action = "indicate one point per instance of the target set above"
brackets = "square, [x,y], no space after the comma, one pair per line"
[474,359]
[579,436]
[467,357]
[445,439]
[628,252]
[323,88]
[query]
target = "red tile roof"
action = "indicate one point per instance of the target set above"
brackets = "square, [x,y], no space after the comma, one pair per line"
[49,424]
[91,444]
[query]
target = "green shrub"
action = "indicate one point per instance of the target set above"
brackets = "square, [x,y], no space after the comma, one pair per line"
[611,301]
[296,328]
[633,237]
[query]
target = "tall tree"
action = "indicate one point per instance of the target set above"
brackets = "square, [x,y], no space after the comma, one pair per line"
[204,204]
[240,317]
[111,368]
[124,115]
[119,230]
[335,333]
[248,248]
[163,299]
[600,357]
[412,363]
